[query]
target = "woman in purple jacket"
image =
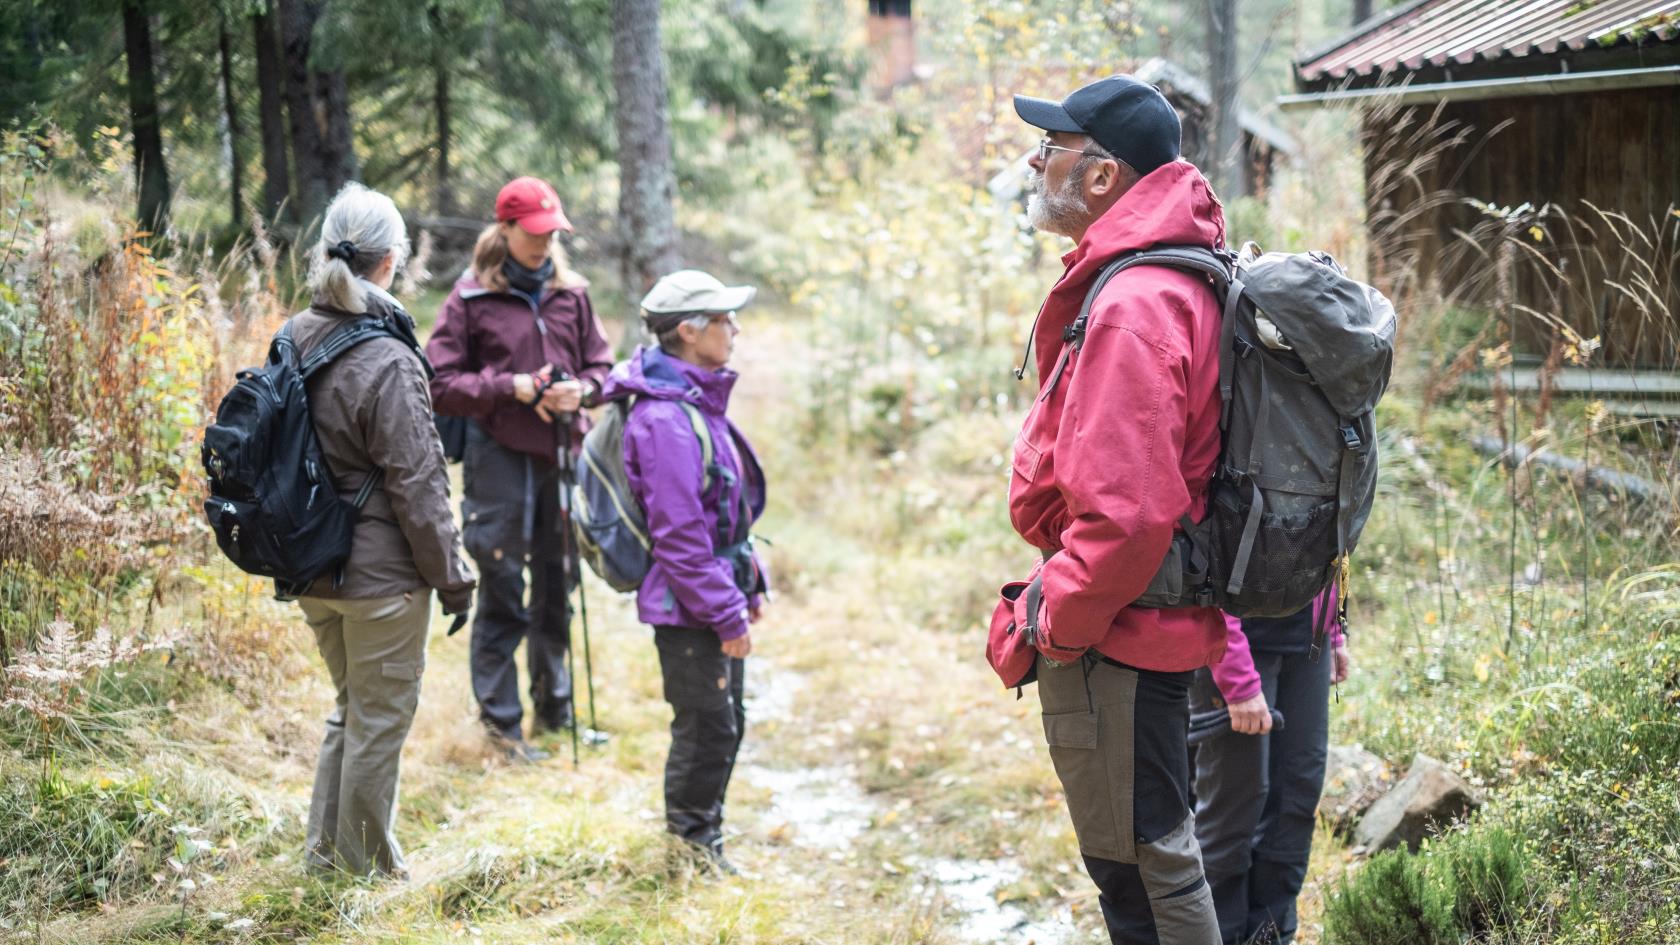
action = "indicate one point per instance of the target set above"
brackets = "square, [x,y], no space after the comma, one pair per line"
[706,586]
[518,349]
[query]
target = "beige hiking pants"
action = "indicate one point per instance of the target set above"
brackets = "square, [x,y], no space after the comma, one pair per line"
[375,651]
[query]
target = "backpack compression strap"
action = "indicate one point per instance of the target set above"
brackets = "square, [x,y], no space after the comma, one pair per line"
[1215,264]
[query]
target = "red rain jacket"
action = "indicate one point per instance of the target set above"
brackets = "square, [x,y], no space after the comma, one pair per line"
[1108,461]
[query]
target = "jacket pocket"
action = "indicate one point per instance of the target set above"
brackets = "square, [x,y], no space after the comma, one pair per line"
[1027,457]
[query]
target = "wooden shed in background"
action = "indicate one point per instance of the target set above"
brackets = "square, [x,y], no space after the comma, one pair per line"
[1562,118]
[1264,144]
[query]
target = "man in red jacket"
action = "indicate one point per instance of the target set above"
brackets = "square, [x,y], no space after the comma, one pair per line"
[1115,451]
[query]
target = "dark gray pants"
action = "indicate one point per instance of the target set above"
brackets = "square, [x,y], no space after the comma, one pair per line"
[1117,737]
[1256,798]
[704,688]
[513,524]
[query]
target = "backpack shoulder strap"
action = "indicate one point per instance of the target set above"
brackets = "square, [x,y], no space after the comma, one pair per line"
[707,449]
[282,349]
[342,339]
[1215,264]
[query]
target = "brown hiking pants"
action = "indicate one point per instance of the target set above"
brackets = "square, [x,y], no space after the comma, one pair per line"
[375,651]
[1117,737]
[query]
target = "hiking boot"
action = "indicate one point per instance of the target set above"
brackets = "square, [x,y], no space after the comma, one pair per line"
[710,856]
[518,751]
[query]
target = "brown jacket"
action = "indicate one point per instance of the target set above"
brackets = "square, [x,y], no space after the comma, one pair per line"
[372,408]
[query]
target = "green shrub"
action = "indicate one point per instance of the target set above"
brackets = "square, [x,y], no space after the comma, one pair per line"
[1467,884]
[1395,900]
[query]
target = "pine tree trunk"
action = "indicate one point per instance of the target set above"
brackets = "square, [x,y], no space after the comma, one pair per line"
[1225,140]
[297,26]
[646,219]
[440,100]
[151,174]
[230,104]
[277,178]
[338,152]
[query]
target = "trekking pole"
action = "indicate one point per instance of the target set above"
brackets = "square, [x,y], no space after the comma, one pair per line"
[567,478]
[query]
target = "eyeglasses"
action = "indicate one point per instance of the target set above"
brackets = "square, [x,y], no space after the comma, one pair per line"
[718,318]
[1045,147]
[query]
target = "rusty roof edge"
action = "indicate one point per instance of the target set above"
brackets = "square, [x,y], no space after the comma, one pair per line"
[1357,33]
[1405,92]
[1662,33]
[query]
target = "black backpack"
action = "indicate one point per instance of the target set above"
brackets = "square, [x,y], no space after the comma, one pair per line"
[272,502]
[1305,353]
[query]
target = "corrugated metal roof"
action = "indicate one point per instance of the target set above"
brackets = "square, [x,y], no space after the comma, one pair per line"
[1447,32]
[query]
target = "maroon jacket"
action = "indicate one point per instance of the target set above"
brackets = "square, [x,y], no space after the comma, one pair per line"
[483,338]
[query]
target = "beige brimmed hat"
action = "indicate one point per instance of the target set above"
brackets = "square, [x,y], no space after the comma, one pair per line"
[689,291]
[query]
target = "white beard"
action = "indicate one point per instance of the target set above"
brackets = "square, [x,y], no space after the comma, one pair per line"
[1059,212]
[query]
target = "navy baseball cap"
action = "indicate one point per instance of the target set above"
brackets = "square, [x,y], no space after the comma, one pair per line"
[1131,119]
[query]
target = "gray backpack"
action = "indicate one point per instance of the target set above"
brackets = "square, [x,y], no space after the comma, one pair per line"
[611,526]
[1304,355]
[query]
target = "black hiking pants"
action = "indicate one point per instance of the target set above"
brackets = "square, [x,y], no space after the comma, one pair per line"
[513,525]
[1118,739]
[704,688]
[1257,796]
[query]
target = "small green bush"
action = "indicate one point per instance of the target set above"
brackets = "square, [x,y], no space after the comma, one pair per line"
[1395,900]
[1468,884]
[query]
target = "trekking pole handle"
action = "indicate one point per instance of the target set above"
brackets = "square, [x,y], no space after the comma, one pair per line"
[1205,726]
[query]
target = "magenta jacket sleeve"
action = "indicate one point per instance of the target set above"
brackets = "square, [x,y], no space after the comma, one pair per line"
[1235,674]
[1330,599]
[459,387]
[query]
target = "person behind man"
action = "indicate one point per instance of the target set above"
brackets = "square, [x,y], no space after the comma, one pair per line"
[1114,452]
[518,348]
[371,411]
[702,488]
[1256,789]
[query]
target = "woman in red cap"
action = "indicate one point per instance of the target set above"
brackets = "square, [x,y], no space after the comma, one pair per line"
[518,349]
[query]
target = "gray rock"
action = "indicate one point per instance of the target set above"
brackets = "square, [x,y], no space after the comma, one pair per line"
[1427,799]
[1353,780]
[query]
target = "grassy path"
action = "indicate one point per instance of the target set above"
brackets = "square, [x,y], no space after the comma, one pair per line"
[889,791]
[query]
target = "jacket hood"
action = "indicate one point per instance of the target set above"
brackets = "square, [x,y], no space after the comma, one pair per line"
[1172,205]
[651,373]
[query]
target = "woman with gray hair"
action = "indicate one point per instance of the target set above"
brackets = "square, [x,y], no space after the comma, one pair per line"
[372,413]
[702,488]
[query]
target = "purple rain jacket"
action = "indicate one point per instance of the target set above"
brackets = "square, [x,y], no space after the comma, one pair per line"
[688,585]
[483,338]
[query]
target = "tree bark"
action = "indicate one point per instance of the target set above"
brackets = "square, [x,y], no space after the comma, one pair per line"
[445,199]
[297,25]
[332,108]
[230,104]
[646,219]
[1225,138]
[151,174]
[277,179]
[1361,11]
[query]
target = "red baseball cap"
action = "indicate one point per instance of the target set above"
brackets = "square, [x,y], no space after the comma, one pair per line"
[531,203]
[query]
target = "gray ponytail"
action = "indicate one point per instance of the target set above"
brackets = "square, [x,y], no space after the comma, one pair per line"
[364,226]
